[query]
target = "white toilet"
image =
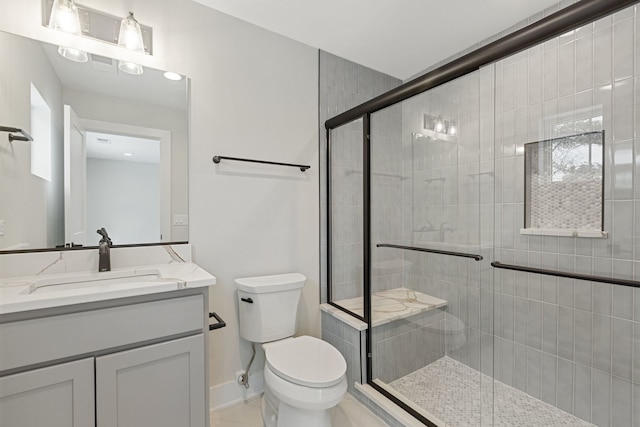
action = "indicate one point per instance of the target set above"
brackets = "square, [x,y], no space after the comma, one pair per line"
[304,376]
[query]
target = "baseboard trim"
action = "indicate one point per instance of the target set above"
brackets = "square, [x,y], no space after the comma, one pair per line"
[230,393]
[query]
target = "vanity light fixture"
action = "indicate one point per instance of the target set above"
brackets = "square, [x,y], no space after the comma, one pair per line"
[65,18]
[453,129]
[73,18]
[130,38]
[438,125]
[172,76]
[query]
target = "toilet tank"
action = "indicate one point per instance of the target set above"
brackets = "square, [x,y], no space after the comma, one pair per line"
[268,306]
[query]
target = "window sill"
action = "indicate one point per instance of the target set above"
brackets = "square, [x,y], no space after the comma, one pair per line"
[593,234]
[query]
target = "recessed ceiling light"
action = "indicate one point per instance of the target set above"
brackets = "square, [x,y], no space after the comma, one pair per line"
[128,154]
[172,76]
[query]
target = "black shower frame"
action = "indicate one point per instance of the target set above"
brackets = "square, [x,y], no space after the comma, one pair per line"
[566,19]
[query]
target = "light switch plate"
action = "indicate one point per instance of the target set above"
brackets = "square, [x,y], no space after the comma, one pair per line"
[181,219]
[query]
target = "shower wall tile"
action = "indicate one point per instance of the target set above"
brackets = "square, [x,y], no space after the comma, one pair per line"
[621,402]
[623,37]
[583,337]
[520,367]
[622,348]
[564,385]
[549,373]
[601,399]
[550,329]
[636,353]
[342,85]
[565,332]
[348,342]
[602,343]
[582,392]
[534,373]
[584,62]
[636,403]
[623,302]
[603,56]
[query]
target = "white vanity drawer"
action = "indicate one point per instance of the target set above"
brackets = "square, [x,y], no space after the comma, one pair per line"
[31,342]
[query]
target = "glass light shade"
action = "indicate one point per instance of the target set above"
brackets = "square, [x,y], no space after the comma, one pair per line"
[453,129]
[130,68]
[75,55]
[64,17]
[130,36]
[439,125]
[172,76]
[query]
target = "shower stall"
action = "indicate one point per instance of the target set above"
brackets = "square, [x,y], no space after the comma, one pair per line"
[483,221]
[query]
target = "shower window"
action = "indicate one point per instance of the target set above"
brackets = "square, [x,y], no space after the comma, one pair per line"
[564,192]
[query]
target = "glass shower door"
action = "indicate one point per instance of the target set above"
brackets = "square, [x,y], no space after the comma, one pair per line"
[431,322]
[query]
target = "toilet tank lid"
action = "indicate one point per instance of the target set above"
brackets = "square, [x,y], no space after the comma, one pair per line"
[273,283]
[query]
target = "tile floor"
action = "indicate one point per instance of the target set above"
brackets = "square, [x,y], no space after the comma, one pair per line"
[349,413]
[463,397]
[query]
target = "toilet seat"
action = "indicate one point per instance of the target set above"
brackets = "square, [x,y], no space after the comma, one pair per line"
[306,361]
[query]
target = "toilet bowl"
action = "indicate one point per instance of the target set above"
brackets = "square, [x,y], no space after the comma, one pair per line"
[304,376]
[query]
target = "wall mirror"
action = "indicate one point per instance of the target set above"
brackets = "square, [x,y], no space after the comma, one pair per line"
[109,150]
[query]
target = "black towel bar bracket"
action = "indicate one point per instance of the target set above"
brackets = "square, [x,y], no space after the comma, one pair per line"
[221,323]
[25,136]
[217,159]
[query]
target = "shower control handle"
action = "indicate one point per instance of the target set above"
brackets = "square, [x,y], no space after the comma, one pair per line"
[249,300]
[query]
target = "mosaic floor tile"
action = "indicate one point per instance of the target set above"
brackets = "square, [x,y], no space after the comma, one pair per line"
[463,397]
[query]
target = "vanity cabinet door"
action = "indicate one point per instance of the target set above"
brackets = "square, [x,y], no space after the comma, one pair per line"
[160,385]
[56,396]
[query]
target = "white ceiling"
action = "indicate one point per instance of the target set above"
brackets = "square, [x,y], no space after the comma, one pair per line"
[101,75]
[114,147]
[397,37]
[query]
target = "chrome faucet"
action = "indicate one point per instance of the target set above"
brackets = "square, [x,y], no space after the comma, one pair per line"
[104,251]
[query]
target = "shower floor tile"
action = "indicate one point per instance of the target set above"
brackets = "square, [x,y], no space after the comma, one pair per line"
[462,397]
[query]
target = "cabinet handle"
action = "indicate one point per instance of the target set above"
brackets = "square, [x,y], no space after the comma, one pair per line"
[249,300]
[221,323]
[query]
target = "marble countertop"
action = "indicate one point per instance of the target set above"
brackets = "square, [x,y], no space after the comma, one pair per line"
[60,289]
[386,306]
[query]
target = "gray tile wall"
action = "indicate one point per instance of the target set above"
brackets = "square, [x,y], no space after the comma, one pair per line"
[343,85]
[349,342]
[406,345]
[571,343]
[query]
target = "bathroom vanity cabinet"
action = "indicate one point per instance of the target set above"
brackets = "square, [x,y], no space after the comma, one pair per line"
[129,362]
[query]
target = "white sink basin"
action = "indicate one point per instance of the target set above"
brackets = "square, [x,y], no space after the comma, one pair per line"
[92,280]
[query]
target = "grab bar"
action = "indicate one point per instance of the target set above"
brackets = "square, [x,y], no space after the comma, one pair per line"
[589,278]
[221,323]
[216,159]
[12,137]
[433,251]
